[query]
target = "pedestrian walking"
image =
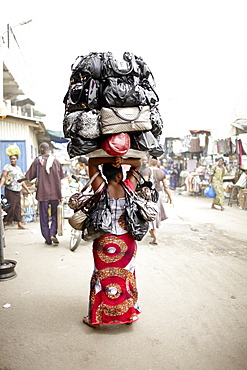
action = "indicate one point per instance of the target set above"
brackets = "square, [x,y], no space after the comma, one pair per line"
[216,179]
[48,171]
[12,191]
[158,177]
[144,165]
[82,170]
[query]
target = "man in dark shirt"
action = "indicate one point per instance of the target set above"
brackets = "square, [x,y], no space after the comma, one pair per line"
[49,172]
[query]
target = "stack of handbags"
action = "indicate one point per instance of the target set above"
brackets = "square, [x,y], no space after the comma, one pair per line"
[109,98]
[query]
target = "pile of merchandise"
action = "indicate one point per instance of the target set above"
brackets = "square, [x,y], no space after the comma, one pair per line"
[111,107]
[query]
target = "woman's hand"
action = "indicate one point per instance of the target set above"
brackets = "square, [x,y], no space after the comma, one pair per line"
[117,161]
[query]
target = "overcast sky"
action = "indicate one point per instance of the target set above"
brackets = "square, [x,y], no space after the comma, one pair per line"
[195,49]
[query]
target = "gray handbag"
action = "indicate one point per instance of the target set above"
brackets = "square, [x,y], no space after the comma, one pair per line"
[125,119]
[146,207]
[85,124]
[82,202]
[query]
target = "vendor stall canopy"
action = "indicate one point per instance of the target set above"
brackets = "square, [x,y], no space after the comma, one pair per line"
[239,126]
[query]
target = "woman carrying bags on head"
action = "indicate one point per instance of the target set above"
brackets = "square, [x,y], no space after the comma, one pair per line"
[113,291]
[13,191]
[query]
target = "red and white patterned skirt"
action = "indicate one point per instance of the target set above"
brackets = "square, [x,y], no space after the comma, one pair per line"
[113,291]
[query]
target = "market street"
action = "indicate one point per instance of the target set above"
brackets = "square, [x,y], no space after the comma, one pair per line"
[192,288]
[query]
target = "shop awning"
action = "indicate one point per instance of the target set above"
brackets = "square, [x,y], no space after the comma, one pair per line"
[239,126]
[57,136]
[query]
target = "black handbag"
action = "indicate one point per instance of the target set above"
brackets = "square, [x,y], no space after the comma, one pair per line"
[145,141]
[136,225]
[157,123]
[82,95]
[150,94]
[89,66]
[88,231]
[145,71]
[101,217]
[99,221]
[144,187]
[123,92]
[79,146]
[113,68]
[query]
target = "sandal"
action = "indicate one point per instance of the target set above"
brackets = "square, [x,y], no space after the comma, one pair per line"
[87,321]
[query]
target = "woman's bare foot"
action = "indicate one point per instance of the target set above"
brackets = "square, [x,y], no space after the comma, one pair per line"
[87,321]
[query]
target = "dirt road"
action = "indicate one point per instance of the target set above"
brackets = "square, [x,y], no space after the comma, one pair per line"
[192,288]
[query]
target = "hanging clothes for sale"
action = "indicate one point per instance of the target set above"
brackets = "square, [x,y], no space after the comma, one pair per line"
[195,145]
[240,152]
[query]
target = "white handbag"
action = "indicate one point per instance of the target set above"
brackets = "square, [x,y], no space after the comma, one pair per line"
[115,120]
[60,219]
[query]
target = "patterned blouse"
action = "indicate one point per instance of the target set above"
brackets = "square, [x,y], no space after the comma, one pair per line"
[16,173]
[118,209]
[118,223]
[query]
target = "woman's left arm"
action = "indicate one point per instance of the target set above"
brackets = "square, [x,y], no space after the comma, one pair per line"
[24,185]
[135,163]
[167,190]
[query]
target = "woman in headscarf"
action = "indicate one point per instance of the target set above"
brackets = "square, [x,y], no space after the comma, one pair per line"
[13,191]
[216,179]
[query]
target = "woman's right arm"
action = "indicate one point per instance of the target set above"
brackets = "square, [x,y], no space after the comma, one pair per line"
[3,177]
